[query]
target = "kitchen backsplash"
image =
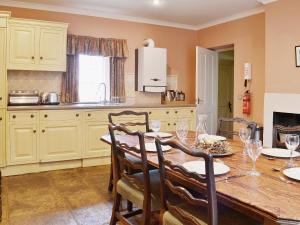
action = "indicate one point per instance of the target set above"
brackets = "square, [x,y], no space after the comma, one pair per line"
[51,81]
[34,80]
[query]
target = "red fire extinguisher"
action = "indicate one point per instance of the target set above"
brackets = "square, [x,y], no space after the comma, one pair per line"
[247,103]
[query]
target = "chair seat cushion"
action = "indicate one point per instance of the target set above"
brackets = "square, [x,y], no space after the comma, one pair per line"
[136,196]
[227,216]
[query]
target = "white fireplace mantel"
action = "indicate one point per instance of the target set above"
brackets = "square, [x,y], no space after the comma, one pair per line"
[278,102]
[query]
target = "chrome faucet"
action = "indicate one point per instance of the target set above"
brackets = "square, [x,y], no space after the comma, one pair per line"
[100,85]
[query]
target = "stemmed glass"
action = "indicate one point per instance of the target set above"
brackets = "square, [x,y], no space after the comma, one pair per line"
[254,149]
[244,134]
[182,129]
[155,126]
[292,143]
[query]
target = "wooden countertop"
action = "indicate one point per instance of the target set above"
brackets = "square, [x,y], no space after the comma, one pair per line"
[94,106]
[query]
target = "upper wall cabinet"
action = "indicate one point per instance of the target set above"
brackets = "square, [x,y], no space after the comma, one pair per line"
[36,45]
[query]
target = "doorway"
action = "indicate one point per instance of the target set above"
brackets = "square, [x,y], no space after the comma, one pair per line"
[226,85]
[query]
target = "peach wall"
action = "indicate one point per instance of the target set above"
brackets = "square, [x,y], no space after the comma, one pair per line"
[179,42]
[282,35]
[248,37]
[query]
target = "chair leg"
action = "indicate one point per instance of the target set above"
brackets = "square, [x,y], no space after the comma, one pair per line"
[110,182]
[116,208]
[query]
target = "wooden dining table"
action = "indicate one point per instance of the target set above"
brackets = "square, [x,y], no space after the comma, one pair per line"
[270,198]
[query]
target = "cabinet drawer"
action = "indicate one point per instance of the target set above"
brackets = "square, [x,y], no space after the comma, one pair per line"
[184,112]
[159,113]
[60,115]
[96,115]
[30,116]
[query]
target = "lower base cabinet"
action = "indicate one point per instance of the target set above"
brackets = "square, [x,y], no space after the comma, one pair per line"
[60,141]
[2,138]
[22,144]
[94,147]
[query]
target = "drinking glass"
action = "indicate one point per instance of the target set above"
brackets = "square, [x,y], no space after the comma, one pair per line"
[182,129]
[254,149]
[155,126]
[292,143]
[244,134]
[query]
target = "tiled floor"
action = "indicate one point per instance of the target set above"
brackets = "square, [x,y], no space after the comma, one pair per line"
[65,197]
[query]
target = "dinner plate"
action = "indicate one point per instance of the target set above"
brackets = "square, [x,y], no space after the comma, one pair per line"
[151,147]
[279,152]
[199,167]
[211,138]
[159,134]
[293,173]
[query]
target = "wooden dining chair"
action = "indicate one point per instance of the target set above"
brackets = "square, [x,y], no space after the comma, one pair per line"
[181,204]
[279,133]
[114,118]
[142,189]
[225,123]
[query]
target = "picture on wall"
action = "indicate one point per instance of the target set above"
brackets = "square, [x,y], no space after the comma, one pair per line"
[297,50]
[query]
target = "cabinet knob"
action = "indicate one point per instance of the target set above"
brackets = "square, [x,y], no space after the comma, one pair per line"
[150,113]
[45,115]
[0,118]
[77,115]
[32,57]
[34,131]
[0,98]
[89,114]
[41,58]
[32,116]
[169,124]
[192,111]
[14,116]
[43,131]
[174,124]
[167,112]
[176,111]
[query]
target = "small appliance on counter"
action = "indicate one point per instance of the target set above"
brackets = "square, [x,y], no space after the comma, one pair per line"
[23,97]
[172,97]
[51,98]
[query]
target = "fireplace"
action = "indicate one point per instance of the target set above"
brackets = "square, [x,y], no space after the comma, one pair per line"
[282,109]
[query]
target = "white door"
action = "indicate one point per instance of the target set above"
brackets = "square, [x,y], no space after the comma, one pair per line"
[207,86]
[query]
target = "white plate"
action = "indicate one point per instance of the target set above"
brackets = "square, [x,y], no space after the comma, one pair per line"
[293,173]
[199,167]
[159,134]
[211,138]
[279,152]
[151,147]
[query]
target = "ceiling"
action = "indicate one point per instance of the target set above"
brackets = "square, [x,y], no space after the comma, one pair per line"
[190,14]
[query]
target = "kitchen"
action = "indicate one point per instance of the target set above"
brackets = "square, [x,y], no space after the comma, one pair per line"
[54,107]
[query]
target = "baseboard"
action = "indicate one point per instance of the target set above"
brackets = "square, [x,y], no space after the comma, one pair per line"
[42,167]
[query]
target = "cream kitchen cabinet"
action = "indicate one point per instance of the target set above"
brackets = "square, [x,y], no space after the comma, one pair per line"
[94,147]
[22,137]
[2,138]
[36,45]
[60,141]
[3,22]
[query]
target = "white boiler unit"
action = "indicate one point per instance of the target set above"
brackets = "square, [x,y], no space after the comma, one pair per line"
[151,69]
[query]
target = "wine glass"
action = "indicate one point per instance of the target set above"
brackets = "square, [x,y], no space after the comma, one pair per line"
[155,126]
[254,149]
[244,134]
[292,143]
[182,129]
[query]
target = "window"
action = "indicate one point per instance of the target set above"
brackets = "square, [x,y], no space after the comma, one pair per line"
[93,71]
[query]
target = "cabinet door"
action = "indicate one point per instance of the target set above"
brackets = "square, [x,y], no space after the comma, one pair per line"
[60,141]
[22,144]
[2,67]
[52,48]
[2,138]
[21,47]
[94,147]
